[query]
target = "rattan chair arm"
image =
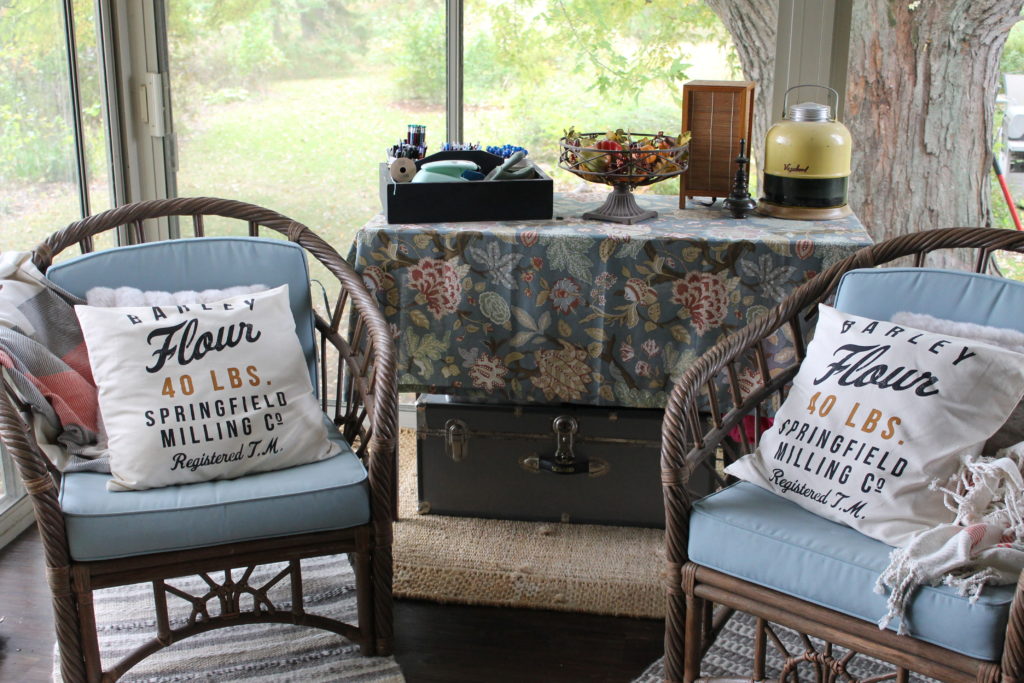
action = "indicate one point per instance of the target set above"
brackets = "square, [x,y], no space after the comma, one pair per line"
[687,390]
[37,476]
[683,448]
[133,215]
[1013,646]
[382,450]
[685,442]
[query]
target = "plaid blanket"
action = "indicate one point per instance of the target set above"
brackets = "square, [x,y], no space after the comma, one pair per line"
[43,357]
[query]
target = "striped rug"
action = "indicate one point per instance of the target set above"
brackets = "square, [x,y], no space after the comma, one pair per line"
[732,657]
[261,652]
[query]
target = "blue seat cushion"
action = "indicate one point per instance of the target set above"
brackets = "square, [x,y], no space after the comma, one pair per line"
[752,534]
[880,293]
[198,264]
[320,496]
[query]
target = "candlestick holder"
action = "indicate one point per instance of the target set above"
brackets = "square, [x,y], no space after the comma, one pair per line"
[739,202]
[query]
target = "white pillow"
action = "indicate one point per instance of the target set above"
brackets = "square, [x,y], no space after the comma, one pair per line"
[205,391]
[132,296]
[877,412]
[1012,431]
[997,336]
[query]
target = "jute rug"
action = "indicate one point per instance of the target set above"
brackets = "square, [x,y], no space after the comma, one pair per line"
[733,654]
[567,567]
[262,652]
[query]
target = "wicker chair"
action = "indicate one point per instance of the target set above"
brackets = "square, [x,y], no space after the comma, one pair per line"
[716,414]
[356,372]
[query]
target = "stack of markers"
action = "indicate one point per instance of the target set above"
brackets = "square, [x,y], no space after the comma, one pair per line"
[413,147]
[417,136]
[460,146]
[505,151]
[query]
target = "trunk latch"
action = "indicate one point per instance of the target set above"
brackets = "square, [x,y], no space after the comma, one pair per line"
[564,460]
[456,439]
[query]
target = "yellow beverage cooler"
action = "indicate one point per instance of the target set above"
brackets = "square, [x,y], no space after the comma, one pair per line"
[806,163]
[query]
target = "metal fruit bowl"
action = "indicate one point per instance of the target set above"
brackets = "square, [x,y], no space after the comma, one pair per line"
[634,160]
[633,166]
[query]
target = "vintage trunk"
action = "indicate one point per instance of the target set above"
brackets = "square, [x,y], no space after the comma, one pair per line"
[540,463]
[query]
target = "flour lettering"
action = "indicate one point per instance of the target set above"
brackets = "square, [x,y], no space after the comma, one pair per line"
[186,344]
[861,366]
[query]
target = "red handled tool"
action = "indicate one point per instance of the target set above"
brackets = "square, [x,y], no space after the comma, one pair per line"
[1006,192]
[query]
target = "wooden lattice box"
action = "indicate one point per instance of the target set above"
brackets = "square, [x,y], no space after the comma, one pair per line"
[718,114]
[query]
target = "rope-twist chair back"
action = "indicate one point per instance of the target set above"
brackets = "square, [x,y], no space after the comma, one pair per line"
[740,381]
[356,371]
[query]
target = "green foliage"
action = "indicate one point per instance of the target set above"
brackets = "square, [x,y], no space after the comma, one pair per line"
[418,57]
[1010,265]
[608,47]
[218,43]
[1012,61]
[533,67]
[32,147]
[1000,211]
[36,140]
[633,43]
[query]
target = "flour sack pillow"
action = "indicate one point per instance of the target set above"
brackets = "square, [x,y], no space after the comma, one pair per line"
[1012,431]
[878,411]
[204,391]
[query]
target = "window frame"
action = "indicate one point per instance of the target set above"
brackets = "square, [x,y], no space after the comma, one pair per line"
[454,35]
[15,506]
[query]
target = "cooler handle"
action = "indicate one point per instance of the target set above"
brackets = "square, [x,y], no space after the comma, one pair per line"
[785,98]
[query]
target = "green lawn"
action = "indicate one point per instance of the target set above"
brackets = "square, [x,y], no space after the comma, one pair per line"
[307,148]
[310,149]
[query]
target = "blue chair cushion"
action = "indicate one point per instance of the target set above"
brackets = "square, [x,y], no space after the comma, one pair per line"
[198,264]
[879,293]
[320,496]
[752,534]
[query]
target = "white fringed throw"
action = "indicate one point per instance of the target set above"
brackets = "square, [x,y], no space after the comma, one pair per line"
[983,545]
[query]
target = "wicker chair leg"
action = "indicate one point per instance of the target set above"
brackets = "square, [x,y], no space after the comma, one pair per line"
[760,650]
[82,587]
[383,620]
[694,643]
[675,636]
[364,602]
[69,641]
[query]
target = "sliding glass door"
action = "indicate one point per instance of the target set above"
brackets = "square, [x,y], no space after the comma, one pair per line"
[291,105]
[43,183]
[52,145]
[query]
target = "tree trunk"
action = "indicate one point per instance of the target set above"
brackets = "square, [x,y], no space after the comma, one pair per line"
[920,93]
[919,102]
[753,25]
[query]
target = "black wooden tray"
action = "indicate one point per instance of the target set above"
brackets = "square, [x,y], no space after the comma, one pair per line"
[495,200]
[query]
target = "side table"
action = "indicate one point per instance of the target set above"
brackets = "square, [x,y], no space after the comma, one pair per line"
[577,311]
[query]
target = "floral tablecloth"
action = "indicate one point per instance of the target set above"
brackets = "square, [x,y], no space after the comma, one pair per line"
[577,311]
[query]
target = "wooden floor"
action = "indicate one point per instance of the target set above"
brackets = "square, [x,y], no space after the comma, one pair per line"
[435,643]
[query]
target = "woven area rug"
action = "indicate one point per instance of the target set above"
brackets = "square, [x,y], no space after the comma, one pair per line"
[733,654]
[567,567]
[261,652]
